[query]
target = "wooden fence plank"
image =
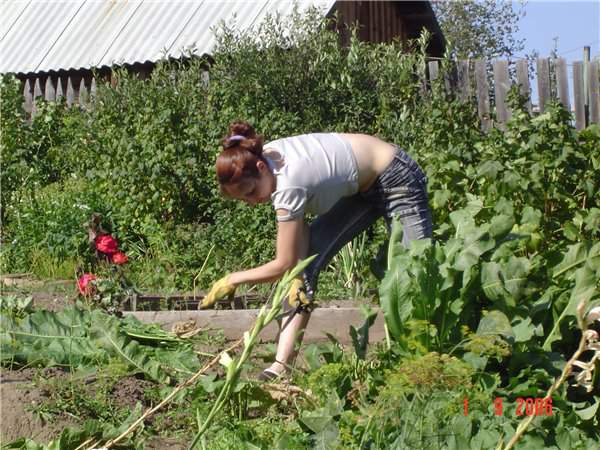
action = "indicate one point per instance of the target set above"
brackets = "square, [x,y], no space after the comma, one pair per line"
[523,81]
[464,85]
[543,82]
[27,97]
[93,90]
[501,88]
[483,98]
[579,95]
[594,91]
[84,95]
[49,91]
[70,92]
[59,89]
[37,92]
[562,83]
[434,70]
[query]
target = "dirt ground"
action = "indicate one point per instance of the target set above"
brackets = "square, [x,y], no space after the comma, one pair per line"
[18,393]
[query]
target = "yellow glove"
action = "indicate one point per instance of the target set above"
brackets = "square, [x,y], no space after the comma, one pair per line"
[297,294]
[218,291]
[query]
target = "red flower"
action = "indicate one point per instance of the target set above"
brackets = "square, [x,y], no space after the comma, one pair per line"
[107,244]
[119,258]
[85,288]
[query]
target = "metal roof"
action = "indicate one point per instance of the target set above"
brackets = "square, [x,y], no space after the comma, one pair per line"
[44,36]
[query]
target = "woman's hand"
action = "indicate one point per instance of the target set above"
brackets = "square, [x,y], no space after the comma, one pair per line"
[221,289]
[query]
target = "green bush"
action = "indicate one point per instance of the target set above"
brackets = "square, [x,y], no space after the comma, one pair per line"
[49,224]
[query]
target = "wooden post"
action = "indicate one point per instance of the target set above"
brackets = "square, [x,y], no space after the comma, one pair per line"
[464,86]
[50,92]
[70,92]
[433,70]
[28,98]
[59,89]
[523,81]
[586,65]
[501,87]
[37,92]
[543,82]
[84,96]
[93,90]
[562,83]
[594,91]
[483,98]
[204,78]
[579,95]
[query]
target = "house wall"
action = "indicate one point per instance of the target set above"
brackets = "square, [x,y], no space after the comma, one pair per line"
[384,21]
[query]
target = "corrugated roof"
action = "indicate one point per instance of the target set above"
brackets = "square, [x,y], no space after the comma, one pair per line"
[43,36]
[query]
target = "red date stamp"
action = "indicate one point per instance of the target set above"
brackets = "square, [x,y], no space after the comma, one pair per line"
[523,407]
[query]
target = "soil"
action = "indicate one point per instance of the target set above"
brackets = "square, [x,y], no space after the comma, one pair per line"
[17,394]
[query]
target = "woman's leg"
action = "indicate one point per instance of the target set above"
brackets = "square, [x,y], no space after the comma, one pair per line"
[328,234]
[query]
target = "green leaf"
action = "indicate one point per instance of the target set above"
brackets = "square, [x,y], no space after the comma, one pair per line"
[316,420]
[495,323]
[523,330]
[575,256]
[589,412]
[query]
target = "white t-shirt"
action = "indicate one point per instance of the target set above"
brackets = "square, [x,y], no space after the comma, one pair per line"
[313,172]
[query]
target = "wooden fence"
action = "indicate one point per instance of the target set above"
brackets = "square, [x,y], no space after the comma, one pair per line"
[471,82]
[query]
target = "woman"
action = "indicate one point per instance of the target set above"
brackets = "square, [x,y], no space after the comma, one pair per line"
[347,180]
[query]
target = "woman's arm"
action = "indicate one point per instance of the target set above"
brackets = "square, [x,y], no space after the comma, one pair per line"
[292,246]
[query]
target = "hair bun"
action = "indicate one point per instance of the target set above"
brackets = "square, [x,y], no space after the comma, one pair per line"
[242,128]
[242,134]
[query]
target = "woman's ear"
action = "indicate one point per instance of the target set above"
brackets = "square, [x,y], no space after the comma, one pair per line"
[260,165]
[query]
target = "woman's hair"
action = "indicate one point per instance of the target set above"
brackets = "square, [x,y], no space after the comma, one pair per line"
[242,149]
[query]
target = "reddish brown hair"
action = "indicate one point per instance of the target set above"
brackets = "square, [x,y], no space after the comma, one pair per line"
[242,149]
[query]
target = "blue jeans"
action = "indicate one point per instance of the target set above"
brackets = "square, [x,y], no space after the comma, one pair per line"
[400,191]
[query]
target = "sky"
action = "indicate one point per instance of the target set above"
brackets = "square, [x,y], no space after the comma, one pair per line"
[576,23]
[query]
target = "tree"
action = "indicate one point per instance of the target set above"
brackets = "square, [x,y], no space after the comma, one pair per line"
[480,28]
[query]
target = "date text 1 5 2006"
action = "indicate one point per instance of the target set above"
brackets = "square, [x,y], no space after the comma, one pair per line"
[523,406]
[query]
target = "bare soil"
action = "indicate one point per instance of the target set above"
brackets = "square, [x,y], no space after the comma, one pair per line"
[17,396]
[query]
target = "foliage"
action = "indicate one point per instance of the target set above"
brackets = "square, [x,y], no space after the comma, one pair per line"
[480,28]
[79,339]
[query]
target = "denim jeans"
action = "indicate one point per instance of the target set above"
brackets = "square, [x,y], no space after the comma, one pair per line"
[400,191]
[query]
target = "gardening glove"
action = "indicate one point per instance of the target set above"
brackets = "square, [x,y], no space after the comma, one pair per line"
[297,296]
[218,291]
